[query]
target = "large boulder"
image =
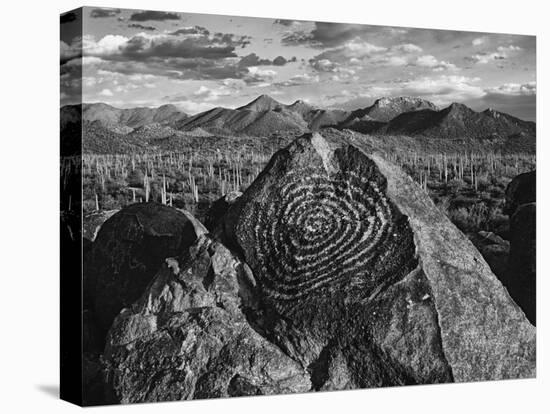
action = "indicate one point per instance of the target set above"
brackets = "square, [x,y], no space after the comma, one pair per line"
[92,222]
[364,281]
[522,263]
[129,249]
[217,210]
[187,338]
[521,279]
[521,190]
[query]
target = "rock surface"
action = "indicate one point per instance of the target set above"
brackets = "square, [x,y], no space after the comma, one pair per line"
[364,281]
[129,249]
[91,223]
[186,337]
[218,209]
[522,273]
[521,190]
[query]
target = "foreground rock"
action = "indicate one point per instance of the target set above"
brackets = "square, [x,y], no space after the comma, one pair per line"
[365,282]
[129,249]
[495,251]
[522,274]
[217,210]
[521,190]
[186,337]
[92,222]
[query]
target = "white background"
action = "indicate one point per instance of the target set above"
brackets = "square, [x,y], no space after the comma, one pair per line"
[29,277]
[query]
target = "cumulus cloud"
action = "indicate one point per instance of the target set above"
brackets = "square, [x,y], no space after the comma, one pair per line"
[153,15]
[300,79]
[443,89]
[407,48]
[517,99]
[349,53]
[478,41]
[212,94]
[256,74]
[502,53]
[106,92]
[326,34]
[193,30]
[253,59]
[103,12]
[529,88]
[430,61]
[142,27]
[358,53]
[195,54]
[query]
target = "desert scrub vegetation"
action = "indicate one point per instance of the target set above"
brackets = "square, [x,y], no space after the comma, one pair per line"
[191,180]
[468,185]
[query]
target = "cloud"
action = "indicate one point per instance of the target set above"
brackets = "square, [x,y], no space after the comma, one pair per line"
[67,17]
[502,53]
[325,35]
[212,94]
[68,52]
[193,30]
[144,16]
[443,89]
[407,48]
[349,53]
[254,60]
[519,100]
[529,88]
[430,61]
[141,27]
[106,92]
[107,46]
[145,46]
[256,74]
[300,79]
[104,12]
[286,22]
[194,53]
[478,41]
[187,105]
[357,53]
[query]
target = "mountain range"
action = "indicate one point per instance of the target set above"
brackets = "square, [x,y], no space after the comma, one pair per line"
[265,116]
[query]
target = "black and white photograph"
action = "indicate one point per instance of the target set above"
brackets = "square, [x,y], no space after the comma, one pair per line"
[264,206]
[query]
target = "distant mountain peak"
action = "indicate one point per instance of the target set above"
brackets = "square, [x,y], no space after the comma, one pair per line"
[262,103]
[493,113]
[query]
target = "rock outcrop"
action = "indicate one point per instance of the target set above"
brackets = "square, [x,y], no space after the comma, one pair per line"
[521,208]
[129,249]
[218,209]
[364,281]
[92,222]
[187,338]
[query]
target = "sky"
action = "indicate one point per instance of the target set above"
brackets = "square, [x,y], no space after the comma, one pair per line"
[130,58]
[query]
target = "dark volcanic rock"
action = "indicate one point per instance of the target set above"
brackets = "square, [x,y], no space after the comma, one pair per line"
[521,190]
[218,209]
[522,261]
[495,251]
[129,249]
[522,275]
[186,337]
[92,222]
[364,281]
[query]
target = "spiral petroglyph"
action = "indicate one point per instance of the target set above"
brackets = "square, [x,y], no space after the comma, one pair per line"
[319,230]
[326,224]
